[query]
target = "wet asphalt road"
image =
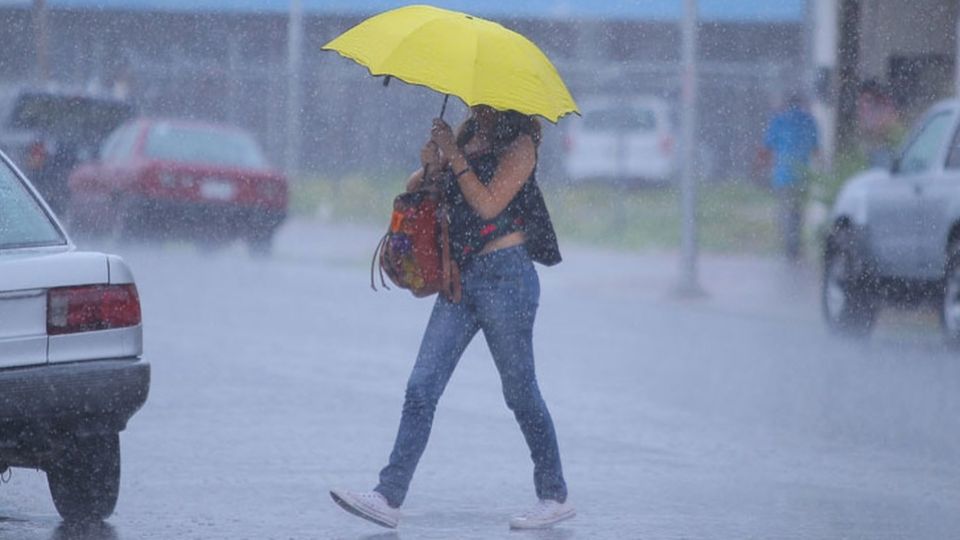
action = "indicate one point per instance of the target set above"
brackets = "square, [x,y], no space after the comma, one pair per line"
[732,416]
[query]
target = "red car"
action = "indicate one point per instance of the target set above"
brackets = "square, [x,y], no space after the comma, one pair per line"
[180,178]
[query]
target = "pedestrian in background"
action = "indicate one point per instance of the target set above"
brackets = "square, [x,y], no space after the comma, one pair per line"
[499,226]
[791,138]
[878,123]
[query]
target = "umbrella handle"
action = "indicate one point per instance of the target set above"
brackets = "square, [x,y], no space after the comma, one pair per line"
[444,108]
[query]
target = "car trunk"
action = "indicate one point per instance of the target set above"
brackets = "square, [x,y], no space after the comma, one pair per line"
[24,280]
[218,185]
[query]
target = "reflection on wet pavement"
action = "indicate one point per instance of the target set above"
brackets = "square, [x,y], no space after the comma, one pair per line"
[85,531]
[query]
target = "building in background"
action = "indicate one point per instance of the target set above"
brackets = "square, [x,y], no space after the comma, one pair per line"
[226,61]
[906,50]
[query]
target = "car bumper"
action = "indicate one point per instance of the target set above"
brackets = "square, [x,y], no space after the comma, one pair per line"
[203,215]
[93,396]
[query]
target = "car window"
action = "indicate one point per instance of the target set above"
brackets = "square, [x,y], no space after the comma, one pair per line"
[23,222]
[119,145]
[919,156]
[953,158]
[189,144]
[620,119]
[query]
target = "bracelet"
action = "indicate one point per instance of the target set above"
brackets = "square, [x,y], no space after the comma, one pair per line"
[461,173]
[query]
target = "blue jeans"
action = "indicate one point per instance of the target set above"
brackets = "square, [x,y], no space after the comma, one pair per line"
[501,292]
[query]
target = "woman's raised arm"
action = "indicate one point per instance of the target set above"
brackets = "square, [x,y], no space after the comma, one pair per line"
[514,168]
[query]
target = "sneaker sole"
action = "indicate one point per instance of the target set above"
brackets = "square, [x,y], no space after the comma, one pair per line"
[564,517]
[343,503]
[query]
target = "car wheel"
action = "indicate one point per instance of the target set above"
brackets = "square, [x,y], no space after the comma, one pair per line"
[848,301]
[85,480]
[950,307]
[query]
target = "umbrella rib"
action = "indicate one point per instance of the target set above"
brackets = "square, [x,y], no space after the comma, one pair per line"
[399,47]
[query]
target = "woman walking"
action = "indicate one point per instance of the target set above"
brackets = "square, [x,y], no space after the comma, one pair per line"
[499,225]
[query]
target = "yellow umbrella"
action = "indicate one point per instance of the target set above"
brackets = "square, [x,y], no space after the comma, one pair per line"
[479,61]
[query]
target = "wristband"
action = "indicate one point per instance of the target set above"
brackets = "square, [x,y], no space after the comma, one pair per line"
[461,173]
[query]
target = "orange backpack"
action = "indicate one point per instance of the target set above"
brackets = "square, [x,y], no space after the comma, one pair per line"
[415,251]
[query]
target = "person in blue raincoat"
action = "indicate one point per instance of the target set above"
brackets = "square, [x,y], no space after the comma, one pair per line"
[791,138]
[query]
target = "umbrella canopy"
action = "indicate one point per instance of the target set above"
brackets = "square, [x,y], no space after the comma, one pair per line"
[477,60]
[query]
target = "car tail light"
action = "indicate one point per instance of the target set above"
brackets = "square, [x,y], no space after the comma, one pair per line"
[92,307]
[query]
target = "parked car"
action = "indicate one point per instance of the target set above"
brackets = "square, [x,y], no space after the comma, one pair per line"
[894,233]
[176,177]
[71,373]
[622,139]
[48,132]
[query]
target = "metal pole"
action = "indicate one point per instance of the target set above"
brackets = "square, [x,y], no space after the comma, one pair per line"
[294,56]
[824,21]
[956,59]
[234,82]
[689,281]
[41,40]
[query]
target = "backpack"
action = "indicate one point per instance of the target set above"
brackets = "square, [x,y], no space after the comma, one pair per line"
[415,250]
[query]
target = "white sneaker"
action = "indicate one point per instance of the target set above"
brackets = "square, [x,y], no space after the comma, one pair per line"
[369,505]
[545,514]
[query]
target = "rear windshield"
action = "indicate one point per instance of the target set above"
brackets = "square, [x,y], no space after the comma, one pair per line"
[620,119]
[23,222]
[187,144]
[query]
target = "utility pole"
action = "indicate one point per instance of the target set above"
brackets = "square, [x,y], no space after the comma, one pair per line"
[823,22]
[848,72]
[956,59]
[234,79]
[689,284]
[294,61]
[41,41]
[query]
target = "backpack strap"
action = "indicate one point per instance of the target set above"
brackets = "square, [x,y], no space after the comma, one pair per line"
[451,273]
[373,263]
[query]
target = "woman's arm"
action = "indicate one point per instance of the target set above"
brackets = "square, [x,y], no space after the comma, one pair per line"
[415,180]
[514,168]
[430,158]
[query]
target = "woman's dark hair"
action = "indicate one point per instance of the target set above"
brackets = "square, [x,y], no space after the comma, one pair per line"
[509,126]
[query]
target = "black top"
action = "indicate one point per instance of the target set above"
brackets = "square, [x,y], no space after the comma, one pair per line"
[527,212]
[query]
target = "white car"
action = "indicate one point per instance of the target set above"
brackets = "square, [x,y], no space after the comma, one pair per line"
[894,234]
[622,139]
[71,373]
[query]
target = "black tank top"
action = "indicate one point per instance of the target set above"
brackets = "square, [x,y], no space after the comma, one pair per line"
[527,212]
